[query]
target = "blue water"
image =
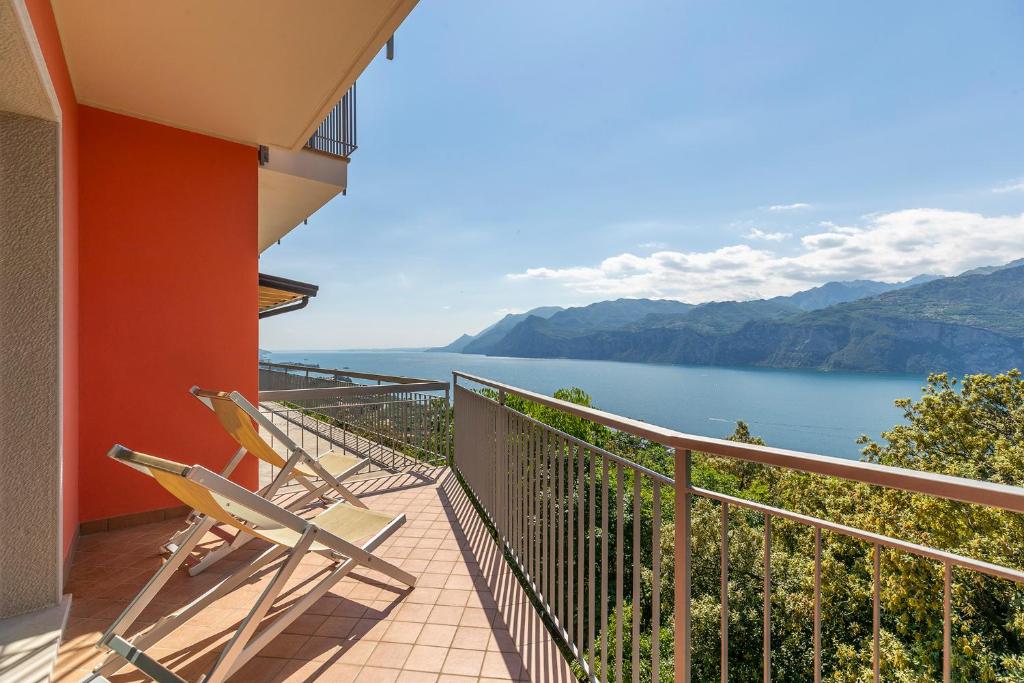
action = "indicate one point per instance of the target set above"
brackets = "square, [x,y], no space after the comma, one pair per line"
[802,410]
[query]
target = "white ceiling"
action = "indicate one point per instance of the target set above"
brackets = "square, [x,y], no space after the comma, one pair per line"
[258,72]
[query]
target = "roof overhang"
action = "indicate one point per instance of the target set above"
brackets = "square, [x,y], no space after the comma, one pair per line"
[279,295]
[260,73]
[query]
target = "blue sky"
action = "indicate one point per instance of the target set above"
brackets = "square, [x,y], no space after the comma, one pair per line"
[535,153]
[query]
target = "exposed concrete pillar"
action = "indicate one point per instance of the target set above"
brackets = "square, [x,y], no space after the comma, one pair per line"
[30,465]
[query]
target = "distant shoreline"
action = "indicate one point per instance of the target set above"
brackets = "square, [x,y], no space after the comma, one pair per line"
[803,409]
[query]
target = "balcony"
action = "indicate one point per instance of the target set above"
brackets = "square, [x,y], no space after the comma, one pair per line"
[543,555]
[468,616]
[336,136]
[294,184]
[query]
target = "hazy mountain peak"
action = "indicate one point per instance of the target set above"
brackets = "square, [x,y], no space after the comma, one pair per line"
[466,342]
[921,279]
[837,292]
[988,270]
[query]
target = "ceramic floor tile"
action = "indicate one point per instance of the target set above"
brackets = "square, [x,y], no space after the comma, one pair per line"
[467,620]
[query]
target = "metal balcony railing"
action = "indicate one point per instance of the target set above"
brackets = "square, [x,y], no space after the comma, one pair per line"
[572,517]
[396,423]
[337,134]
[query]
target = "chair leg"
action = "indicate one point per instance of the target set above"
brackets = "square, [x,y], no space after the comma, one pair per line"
[321,493]
[224,664]
[349,497]
[282,477]
[112,664]
[233,463]
[141,661]
[301,605]
[175,540]
[152,587]
[220,553]
[297,609]
[332,483]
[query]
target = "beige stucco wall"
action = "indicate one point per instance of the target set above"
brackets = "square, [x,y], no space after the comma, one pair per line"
[29,365]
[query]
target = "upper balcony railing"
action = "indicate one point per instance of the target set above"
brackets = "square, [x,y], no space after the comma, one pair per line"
[609,547]
[337,134]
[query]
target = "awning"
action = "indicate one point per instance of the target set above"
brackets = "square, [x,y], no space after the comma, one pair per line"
[281,295]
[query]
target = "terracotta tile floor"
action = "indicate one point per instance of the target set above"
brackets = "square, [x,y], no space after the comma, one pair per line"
[467,619]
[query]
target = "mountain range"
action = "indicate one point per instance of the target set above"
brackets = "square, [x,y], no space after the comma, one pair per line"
[973,322]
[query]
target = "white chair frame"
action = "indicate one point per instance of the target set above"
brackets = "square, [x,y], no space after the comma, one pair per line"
[245,643]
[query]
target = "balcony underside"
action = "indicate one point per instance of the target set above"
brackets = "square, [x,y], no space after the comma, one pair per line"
[293,186]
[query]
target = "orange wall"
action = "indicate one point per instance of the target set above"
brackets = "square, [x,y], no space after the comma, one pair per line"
[45,27]
[168,291]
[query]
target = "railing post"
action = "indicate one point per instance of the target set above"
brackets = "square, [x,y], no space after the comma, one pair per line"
[447,434]
[453,427]
[682,567]
[498,467]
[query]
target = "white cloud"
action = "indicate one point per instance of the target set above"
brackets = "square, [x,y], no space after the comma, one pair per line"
[758,234]
[890,247]
[1015,186]
[789,207]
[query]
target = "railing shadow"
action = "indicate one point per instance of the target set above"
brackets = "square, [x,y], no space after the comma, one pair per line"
[393,483]
[496,585]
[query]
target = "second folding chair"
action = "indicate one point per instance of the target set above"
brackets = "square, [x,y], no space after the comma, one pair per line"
[237,416]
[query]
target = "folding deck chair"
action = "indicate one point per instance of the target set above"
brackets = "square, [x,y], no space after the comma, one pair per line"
[346,534]
[236,416]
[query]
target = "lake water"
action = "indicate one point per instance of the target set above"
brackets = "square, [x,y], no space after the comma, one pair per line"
[802,410]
